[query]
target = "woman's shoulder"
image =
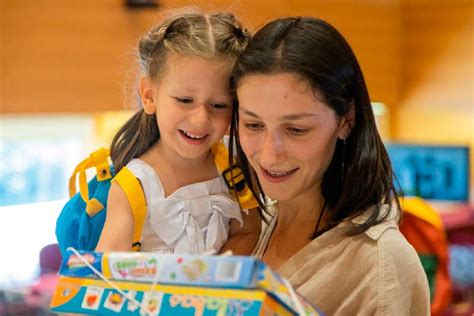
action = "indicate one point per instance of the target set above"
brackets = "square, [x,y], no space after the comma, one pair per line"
[394,254]
[392,251]
[402,285]
[381,271]
[385,235]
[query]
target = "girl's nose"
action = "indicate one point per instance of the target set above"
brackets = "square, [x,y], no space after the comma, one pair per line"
[200,117]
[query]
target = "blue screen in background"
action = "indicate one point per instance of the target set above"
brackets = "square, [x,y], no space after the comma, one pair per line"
[431,172]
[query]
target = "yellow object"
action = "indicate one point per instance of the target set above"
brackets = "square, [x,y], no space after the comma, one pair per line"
[93,207]
[99,160]
[237,185]
[134,192]
[419,208]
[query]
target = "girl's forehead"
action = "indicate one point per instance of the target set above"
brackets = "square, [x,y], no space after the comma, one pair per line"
[193,71]
[183,64]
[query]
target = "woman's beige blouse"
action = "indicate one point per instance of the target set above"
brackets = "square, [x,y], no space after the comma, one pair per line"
[374,273]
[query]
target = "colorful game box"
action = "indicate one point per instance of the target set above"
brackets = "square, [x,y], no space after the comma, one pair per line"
[93,296]
[209,280]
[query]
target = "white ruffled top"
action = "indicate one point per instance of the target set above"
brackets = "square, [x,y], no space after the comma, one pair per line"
[193,219]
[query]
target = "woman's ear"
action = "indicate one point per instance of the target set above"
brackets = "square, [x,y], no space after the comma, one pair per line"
[148,95]
[347,123]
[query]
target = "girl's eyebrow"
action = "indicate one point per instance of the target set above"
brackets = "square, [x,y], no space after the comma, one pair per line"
[290,117]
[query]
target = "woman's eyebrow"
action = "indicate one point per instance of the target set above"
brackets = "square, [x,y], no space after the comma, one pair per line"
[249,113]
[298,116]
[290,117]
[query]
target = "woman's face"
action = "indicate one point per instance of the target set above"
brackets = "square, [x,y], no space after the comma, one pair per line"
[287,133]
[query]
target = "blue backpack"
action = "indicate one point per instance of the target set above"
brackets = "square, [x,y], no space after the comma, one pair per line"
[80,222]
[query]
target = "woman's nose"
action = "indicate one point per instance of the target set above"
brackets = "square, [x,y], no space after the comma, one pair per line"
[272,149]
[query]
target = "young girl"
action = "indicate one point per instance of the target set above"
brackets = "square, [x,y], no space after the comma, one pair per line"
[167,144]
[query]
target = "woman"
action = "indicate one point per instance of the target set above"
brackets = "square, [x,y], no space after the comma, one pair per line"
[306,137]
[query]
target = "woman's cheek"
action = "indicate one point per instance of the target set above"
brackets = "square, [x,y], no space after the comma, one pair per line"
[248,142]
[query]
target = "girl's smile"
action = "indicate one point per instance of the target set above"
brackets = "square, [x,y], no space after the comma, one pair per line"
[194,138]
[192,103]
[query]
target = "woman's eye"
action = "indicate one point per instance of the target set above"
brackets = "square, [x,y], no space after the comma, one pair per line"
[253,126]
[219,105]
[184,100]
[297,131]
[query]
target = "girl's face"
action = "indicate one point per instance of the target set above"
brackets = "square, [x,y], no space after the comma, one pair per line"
[287,133]
[192,103]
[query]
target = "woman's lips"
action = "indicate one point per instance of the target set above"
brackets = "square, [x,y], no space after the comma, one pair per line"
[277,176]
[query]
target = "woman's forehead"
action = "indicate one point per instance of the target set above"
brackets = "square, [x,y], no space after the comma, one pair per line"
[283,95]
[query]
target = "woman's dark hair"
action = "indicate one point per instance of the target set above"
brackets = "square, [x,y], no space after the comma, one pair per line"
[360,175]
[212,36]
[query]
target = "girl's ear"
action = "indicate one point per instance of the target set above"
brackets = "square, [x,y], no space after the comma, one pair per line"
[347,123]
[148,95]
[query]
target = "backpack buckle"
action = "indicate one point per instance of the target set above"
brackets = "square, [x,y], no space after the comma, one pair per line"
[234,178]
[101,163]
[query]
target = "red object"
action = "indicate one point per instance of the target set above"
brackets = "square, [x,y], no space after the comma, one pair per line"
[459,224]
[422,227]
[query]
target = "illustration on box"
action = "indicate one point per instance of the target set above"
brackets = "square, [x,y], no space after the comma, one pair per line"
[162,284]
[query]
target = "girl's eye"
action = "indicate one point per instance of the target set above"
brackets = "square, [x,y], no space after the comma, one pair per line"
[297,131]
[184,100]
[253,126]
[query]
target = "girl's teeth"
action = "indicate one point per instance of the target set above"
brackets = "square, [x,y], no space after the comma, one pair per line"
[193,135]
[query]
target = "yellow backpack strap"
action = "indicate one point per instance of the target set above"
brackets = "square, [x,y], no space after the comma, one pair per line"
[99,160]
[135,196]
[221,159]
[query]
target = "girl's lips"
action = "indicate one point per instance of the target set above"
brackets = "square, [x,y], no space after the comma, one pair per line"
[277,177]
[192,140]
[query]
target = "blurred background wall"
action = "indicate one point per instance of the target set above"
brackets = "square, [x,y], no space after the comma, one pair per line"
[76,55]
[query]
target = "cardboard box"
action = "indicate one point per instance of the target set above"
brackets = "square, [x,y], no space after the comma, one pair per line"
[93,296]
[199,275]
